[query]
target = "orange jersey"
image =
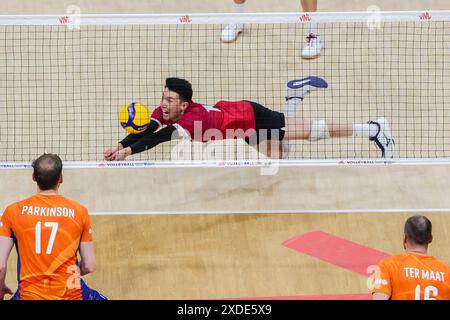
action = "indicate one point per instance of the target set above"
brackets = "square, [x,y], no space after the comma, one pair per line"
[411,276]
[47,231]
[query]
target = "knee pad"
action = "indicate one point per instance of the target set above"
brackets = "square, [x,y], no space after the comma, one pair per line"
[319,131]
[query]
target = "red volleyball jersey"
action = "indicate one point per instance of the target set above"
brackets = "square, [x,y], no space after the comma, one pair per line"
[224,120]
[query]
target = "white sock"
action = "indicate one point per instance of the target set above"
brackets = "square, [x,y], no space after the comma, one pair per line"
[312,28]
[291,106]
[239,7]
[365,130]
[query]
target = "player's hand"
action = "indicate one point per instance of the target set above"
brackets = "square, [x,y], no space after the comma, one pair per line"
[109,153]
[121,154]
[5,290]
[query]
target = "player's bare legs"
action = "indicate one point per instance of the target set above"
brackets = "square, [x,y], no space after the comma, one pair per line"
[296,92]
[299,129]
[232,30]
[377,131]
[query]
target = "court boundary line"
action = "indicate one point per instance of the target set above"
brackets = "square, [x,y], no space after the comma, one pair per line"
[209,212]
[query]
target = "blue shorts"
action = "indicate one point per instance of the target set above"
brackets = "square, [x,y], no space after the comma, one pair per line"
[90,294]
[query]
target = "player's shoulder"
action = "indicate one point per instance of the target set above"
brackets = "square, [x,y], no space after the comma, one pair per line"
[17,205]
[226,102]
[194,105]
[409,258]
[233,104]
[194,111]
[440,264]
[393,259]
[73,203]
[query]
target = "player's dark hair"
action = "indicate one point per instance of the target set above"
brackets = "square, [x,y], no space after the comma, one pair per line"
[180,86]
[418,229]
[47,170]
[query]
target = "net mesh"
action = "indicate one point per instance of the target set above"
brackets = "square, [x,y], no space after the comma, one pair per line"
[61,90]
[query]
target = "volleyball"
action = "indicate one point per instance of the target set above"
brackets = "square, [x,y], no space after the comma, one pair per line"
[134,117]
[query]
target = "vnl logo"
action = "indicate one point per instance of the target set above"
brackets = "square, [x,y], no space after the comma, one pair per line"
[72,20]
[64,20]
[305,18]
[425,16]
[185,19]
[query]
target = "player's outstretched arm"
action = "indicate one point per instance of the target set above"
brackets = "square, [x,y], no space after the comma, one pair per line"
[6,244]
[110,153]
[146,142]
[133,138]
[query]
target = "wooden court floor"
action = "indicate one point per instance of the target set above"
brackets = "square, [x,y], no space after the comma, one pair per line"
[237,255]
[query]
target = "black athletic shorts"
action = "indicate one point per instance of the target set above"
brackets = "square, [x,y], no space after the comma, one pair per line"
[268,124]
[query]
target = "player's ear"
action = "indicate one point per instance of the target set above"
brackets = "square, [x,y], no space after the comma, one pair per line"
[60,179]
[184,105]
[33,177]
[431,239]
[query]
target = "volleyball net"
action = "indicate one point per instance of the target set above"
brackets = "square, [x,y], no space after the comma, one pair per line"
[63,82]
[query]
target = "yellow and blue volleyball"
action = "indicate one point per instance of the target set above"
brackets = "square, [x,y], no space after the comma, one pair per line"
[134,117]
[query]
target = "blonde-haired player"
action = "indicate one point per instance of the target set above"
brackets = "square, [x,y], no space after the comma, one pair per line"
[413,275]
[312,46]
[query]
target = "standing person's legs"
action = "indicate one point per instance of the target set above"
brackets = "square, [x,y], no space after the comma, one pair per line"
[309,5]
[313,44]
[232,30]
